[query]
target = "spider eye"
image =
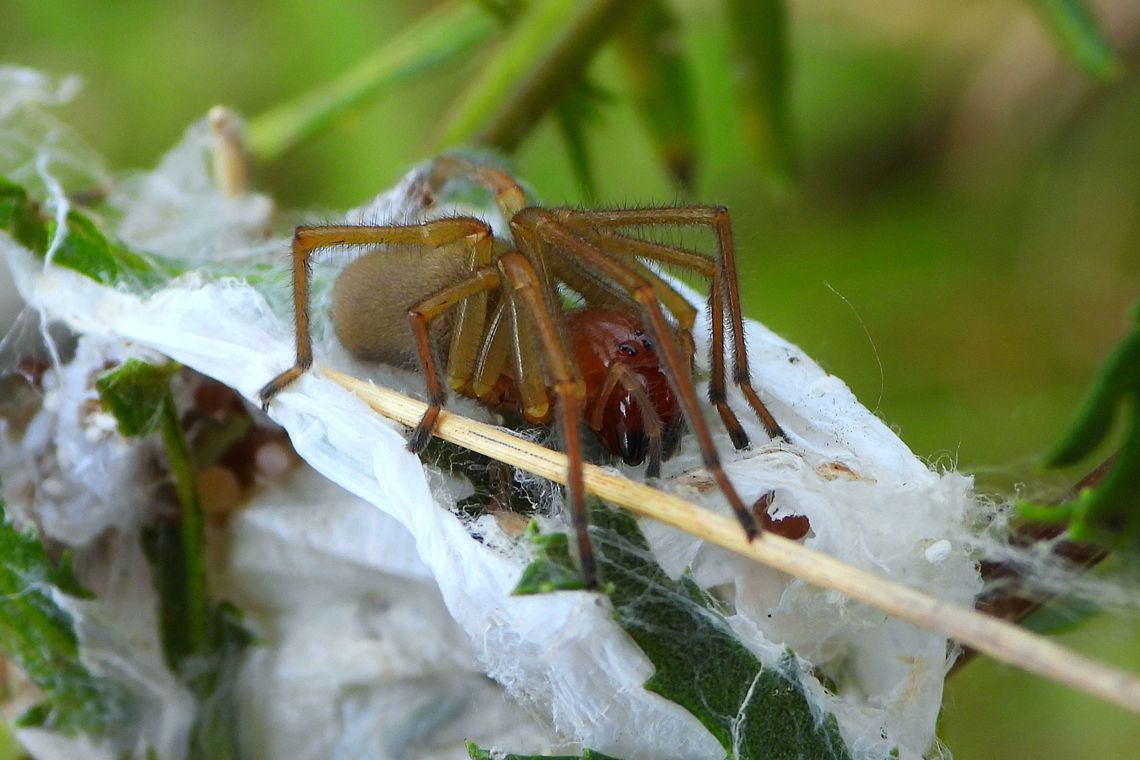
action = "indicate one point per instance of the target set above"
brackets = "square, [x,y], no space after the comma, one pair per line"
[647,343]
[627,349]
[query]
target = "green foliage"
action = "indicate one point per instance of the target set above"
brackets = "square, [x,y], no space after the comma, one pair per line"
[1109,513]
[83,247]
[438,39]
[20,217]
[477,753]
[1075,29]
[134,393]
[546,48]
[207,662]
[1118,380]
[581,105]
[552,568]
[138,394]
[752,710]
[660,86]
[202,640]
[759,31]
[39,636]
[543,51]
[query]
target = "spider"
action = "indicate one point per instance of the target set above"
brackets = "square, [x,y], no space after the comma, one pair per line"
[623,363]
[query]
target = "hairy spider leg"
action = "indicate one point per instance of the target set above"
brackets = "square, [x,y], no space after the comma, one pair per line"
[717,219]
[529,289]
[307,240]
[525,352]
[510,340]
[683,311]
[569,270]
[526,368]
[620,374]
[707,268]
[509,196]
[493,354]
[597,293]
[524,292]
[538,226]
[420,316]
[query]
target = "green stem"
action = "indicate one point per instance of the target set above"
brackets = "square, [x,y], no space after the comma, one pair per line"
[760,32]
[1075,29]
[547,50]
[193,529]
[660,87]
[439,38]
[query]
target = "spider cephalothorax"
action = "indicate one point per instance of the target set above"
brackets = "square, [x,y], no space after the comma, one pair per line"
[622,363]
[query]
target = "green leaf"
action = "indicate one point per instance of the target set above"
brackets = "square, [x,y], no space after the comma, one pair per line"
[39,636]
[1118,378]
[1075,29]
[752,710]
[548,46]
[20,217]
[1109,513]
[552,568]
[134,394]
[580,106]
[439,38]
[660,86]
[759,31]
[85,249]
[477,753]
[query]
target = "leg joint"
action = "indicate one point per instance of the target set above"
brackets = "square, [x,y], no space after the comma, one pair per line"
[644,294]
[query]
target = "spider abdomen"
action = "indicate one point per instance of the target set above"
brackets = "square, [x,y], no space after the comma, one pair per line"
[372,295]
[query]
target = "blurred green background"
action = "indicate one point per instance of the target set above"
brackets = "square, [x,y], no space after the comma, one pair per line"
[962,247]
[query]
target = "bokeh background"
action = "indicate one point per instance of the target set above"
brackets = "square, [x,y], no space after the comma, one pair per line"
[962,246]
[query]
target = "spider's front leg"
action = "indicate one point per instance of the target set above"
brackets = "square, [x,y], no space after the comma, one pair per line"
[723,287]
[420,316]
[530,291]
[540,232]
[365,309]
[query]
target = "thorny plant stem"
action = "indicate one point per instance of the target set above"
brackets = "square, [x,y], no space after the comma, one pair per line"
[1001,640]
[193,528]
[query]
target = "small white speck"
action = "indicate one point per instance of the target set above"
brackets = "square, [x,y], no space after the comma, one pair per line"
[937,552]
[272,460]
[53,487]
[100,425]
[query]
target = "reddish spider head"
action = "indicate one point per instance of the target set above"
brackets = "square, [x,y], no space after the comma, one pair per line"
[623,376]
